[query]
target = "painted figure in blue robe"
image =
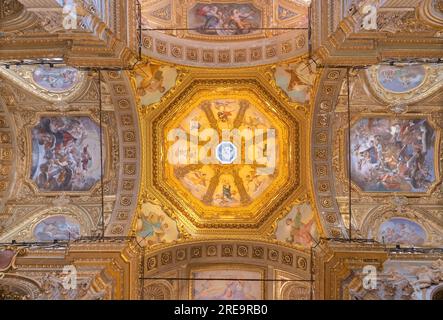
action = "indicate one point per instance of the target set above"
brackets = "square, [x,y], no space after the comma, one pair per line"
[148,228]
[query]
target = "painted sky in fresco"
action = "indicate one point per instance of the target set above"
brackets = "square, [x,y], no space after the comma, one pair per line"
[401,79]
[154,226]
[57,79]
[401,231]
[296,80]
[57,228]
[153,81]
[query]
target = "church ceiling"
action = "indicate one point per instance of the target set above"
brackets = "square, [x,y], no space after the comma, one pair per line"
[208,183]
[53,119]
[230,149]
[388,194]
[218,33]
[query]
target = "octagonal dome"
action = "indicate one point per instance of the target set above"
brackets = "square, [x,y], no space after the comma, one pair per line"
[251,128]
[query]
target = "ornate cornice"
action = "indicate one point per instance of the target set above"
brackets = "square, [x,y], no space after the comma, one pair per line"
[335,261]
[110,34]
[339,39]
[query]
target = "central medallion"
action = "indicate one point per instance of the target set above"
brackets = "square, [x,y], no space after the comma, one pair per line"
[226,152]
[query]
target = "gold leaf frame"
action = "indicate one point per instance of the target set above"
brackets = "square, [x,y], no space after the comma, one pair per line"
[262,8]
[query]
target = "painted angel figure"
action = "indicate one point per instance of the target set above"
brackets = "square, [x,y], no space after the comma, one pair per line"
[240,21]
[152,79]
[213,17]
[298,77]
[300,232]
[153,228]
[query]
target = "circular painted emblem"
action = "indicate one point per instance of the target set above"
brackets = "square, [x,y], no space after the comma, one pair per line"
[226,152]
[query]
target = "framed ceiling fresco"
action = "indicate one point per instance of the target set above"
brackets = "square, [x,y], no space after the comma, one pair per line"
[65,153]
[298,227]
[410,226]
[154,226]
[394,154]
[59,227]
[224,19]
[401,231]
[57,83]
[53,222]
[208,125]
[296,80]
[223,185]
[212,282]
[401,84]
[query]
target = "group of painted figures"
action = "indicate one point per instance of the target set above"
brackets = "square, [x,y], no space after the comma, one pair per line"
[62,158]
[227,20]
[393,155]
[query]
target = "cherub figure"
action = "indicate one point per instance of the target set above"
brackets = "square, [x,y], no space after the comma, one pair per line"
[295,78]
[153,79]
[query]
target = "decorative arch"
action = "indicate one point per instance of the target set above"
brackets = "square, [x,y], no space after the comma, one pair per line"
[255,258]
[328,90]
